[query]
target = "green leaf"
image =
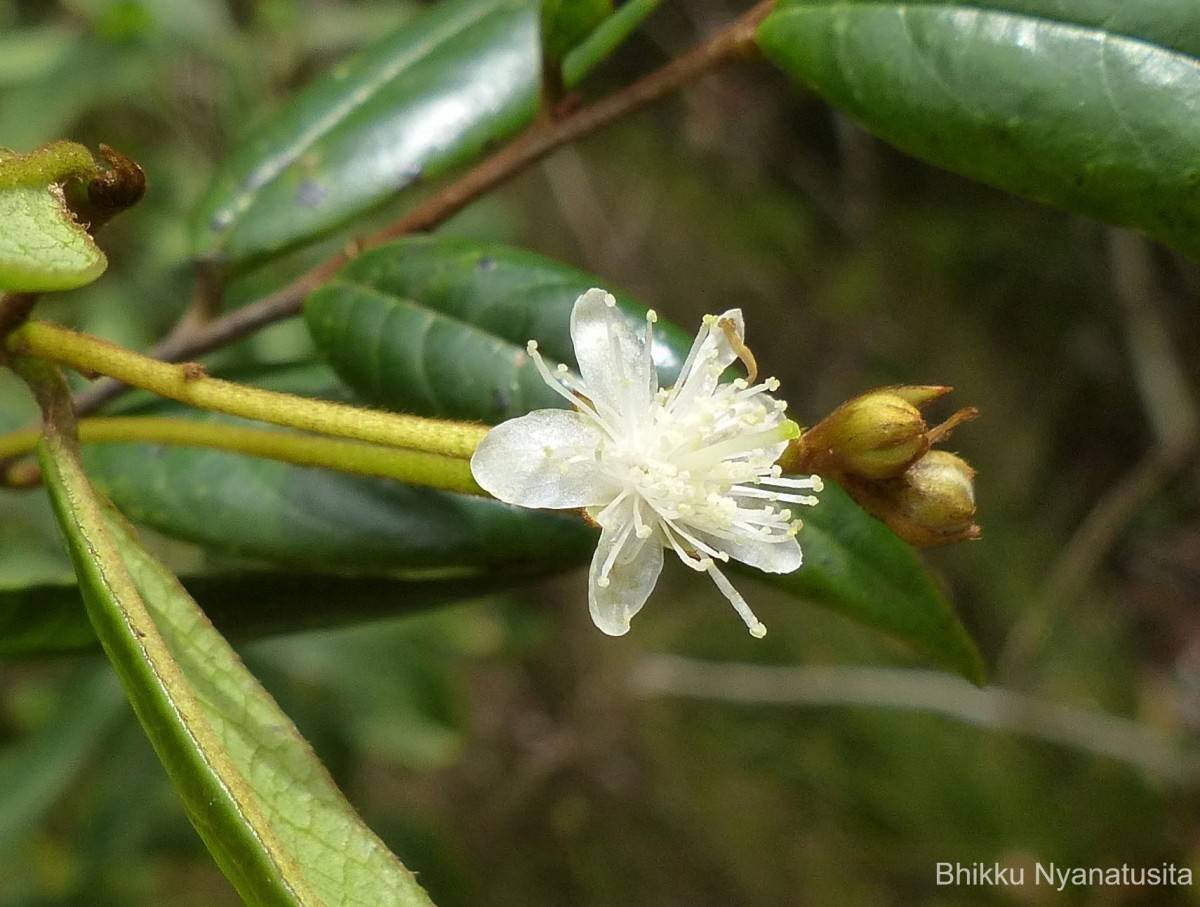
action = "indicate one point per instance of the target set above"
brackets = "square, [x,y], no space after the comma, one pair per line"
[426,98]
[853,564]
[262,802]
[42,248]
[565,24]
[246,605]
[604,39]
[439,327]
[318,520]
[1090,105]
[322,520]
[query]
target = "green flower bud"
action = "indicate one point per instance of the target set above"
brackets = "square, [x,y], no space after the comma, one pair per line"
[876,436]
[919,394]
[932,504]
[878,447]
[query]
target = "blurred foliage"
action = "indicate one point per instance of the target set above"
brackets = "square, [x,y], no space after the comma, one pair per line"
[500,747]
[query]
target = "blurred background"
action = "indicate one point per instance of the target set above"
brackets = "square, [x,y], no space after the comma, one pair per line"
[513,755]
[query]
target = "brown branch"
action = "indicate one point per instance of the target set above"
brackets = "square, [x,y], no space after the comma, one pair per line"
[735,40]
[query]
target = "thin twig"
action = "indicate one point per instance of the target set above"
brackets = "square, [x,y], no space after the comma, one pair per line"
[1150,749]
[734,41]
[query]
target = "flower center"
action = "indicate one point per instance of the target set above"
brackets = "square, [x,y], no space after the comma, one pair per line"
[693,465]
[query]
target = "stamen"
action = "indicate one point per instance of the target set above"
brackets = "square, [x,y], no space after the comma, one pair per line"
[696,563]
[699,545]
[741,444]
[753,624]
[751,491]
[767,518]
[686,370]
[602,580]
[812,483]
[641,530]
[577,400]
[610,507]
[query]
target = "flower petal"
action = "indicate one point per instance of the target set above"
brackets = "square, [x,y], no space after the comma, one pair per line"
[616,364]
[769,556]
[711,354]
[631,578]
[545,458]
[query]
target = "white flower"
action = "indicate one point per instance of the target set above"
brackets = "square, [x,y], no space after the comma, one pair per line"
[691,468]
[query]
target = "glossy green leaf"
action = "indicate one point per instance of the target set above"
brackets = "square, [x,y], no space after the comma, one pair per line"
[262,802]
[246,605]
[439,327]
[42,248]
[319,520]
[853,564]
[430,96]
[1090,105]
[433,95]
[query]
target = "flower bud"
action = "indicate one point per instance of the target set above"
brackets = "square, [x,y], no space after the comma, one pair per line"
[919,394]
[932,504]
[876,436]
[878,447]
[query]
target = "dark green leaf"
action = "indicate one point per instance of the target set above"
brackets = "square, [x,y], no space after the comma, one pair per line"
[320,520]
[50,619]
[429,96]
[324,520]
[567,22]
[439,327]
[605,38]
[854,565]
[1091,105]
[255,792]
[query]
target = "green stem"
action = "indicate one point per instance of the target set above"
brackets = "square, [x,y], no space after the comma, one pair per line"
[412,466]
[188,384]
